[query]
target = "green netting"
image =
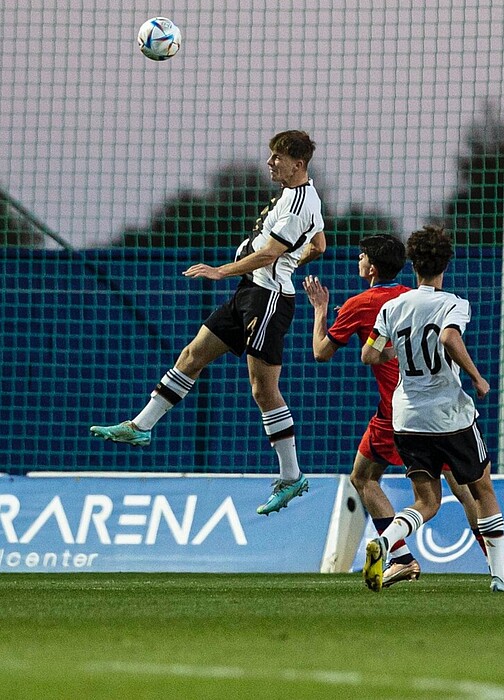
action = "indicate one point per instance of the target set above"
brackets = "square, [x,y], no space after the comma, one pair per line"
[117,172]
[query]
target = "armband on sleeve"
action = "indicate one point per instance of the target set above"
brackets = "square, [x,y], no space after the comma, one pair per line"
[377,343]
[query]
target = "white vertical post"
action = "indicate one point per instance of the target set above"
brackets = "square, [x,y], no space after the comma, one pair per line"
[346,528]
[500,449]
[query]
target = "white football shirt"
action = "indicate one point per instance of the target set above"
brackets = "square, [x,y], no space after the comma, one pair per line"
[293,219]
[429,397]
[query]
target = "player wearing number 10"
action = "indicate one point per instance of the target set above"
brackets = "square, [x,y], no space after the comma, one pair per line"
[434,419]
[381,259]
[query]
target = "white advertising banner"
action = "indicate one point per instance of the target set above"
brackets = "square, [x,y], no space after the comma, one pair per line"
[201,523]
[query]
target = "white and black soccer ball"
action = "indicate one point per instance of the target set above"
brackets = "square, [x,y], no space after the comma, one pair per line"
[159,39]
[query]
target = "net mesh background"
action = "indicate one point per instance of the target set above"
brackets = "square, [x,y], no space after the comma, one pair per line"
[118,172]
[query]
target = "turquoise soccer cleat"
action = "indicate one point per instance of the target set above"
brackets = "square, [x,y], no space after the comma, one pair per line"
[123,432]
[283,493]
[497,585]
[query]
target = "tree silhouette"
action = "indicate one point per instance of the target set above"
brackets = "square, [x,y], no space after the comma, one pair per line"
[237,194]
[223,218]
[475,212]
[355,223]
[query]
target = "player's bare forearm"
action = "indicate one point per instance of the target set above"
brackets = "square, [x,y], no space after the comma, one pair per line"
[323,348]
[456,348]
[260,258]
[241,267]
[202,270]
[318,296]
[373,357]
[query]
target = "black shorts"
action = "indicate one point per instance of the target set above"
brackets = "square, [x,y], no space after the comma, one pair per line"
[254,320]
[464,452]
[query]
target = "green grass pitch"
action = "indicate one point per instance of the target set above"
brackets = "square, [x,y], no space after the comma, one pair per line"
[220,636]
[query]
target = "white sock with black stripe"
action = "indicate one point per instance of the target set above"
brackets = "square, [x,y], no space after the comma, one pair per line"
[404,524]
[492,531]
[279,428]
[172,388]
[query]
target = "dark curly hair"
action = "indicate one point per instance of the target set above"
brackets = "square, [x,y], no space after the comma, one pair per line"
[386,252]
[430,250]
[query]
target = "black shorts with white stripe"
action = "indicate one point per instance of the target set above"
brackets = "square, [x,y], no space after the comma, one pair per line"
[254,320]
[464,451]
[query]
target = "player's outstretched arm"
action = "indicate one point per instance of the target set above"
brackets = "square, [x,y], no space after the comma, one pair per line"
[202,270]
[261,258]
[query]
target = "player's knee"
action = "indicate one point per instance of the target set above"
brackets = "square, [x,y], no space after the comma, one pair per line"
[358,481]
[190,360]
[260,393]
[266,395]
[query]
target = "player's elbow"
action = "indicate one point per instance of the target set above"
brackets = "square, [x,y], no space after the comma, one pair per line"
[323,350]
[318,245]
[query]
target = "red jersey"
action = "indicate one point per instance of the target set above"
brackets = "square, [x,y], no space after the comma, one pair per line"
[358,315]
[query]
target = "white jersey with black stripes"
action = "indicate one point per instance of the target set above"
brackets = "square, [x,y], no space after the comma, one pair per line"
[429,397]
[293,219]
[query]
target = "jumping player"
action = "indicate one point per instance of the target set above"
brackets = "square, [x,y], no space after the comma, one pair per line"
[255,320]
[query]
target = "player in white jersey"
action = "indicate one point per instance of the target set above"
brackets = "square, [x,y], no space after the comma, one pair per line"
[429,397]
[288,233]
[434,419]
[291,219]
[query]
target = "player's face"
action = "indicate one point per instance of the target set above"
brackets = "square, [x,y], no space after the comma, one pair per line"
[364,266]
[283,168]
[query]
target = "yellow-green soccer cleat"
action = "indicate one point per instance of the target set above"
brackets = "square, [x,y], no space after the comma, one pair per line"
[376,551]
[283,493]
[123,432]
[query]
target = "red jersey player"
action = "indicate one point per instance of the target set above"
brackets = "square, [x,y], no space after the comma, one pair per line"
[381,259]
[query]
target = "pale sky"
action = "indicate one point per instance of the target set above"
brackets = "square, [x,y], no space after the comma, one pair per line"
[94,136]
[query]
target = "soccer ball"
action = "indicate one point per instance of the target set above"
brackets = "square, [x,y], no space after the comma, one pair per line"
[159,38]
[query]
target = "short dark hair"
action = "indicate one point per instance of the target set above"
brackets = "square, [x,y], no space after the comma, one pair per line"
[430,250]
[296,144]
[386,252]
